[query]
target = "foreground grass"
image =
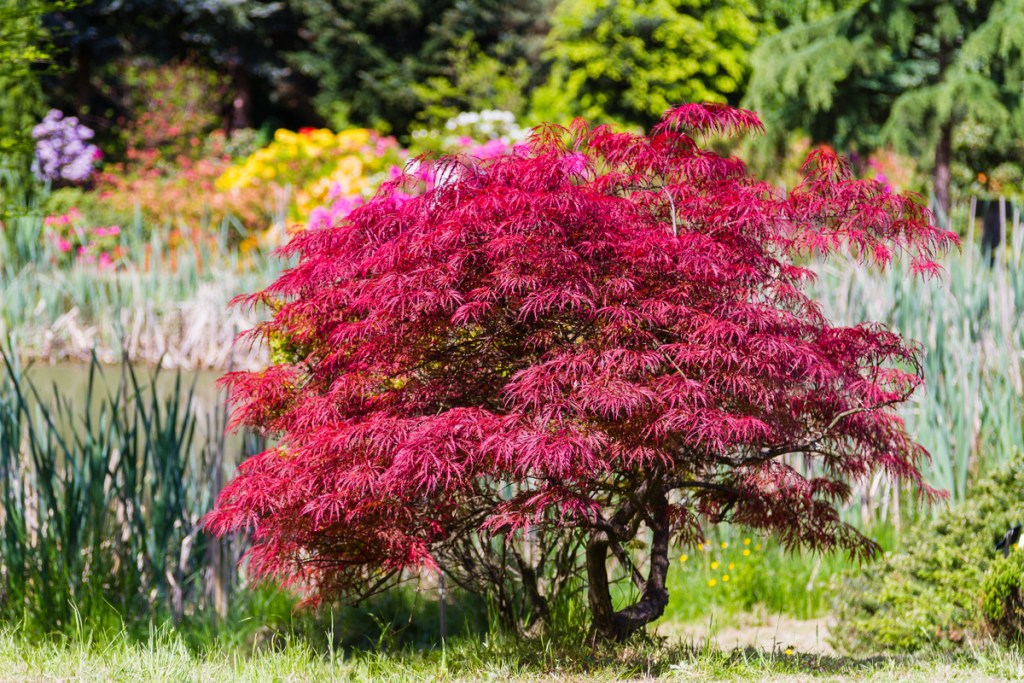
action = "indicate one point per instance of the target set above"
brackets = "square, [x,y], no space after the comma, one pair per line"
[166,658]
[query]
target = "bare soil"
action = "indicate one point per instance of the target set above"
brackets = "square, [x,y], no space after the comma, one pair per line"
[763,632]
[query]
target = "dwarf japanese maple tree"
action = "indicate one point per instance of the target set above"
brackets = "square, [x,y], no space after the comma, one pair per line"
[603,333]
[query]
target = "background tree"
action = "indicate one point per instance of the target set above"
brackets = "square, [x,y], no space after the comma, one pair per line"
[24,49]
[243,42]
[905,72]
[247,42]
[605,334]
[369,59]
[630,61]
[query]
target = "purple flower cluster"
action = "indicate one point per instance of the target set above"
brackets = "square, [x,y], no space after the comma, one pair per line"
[62,152]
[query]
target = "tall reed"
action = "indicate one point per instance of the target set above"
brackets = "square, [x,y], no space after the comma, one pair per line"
[971,329]
[165,302]
[21,216]
[101,502]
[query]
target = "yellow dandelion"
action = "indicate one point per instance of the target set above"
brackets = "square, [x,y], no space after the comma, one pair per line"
[725,544]
[700,546]
[746,553]
[746,541]
[725,579]
[789,652]
[683,558]
[712,582]
[732,566]
[757,547]
[714,565]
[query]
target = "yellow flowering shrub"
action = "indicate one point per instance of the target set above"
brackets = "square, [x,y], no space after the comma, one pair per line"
[319,165]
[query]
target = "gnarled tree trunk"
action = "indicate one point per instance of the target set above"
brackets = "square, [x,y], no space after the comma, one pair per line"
[618,625]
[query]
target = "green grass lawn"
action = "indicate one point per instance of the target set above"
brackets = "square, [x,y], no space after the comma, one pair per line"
[166,658]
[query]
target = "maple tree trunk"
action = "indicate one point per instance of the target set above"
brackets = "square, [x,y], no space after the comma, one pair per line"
[941,175]
[619,625]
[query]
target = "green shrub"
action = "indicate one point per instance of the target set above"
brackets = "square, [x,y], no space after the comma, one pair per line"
[1002,600]
[927,595]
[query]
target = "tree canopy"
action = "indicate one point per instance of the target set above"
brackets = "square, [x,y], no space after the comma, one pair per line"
[369,58]
[904,72]
[602,333]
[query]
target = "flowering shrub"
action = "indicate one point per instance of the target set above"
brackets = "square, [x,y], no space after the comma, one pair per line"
[323,167]
[173,158]
[63,152]
[484,135]
[76,242]
[184,192]
[173,108]
[895,172]
[599,333]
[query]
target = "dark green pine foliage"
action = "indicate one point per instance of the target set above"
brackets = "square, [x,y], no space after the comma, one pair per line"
[501,75]
[370,57]
[245,40]
[900,72]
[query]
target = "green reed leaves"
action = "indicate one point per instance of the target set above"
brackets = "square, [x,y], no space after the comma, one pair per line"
[102,502]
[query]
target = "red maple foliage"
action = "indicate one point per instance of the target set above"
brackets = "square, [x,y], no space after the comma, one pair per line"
[602,332]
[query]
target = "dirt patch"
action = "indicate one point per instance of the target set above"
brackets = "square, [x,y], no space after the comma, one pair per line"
[760,632]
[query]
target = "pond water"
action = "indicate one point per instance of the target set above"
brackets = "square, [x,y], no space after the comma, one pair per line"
[71,380]
[70,383]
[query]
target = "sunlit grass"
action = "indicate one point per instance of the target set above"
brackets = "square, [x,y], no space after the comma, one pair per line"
[164,657]
[738,572]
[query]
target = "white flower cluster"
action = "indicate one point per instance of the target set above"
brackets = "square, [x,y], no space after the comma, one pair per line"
[493,117]
[487,124]
[482,134]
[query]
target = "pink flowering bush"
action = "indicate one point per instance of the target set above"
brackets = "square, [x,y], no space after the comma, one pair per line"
[75,242]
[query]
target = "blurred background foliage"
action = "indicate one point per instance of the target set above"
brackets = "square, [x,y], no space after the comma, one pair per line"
[935,82]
